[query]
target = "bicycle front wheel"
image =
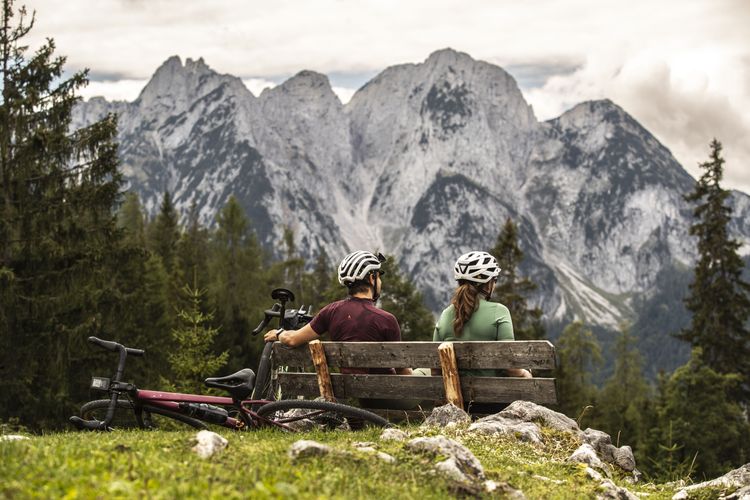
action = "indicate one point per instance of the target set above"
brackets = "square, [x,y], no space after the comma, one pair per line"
[125,417]
[324,412]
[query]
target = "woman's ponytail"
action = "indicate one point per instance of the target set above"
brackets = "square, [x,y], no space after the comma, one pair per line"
[465,301]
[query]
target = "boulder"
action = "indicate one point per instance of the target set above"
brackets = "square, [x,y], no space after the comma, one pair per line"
[531,412]
[208,443]
[497,424]
[441,416]
[737,478]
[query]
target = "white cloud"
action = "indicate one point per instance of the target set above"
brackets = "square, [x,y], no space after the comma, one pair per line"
[344,94]
[114,90]
[682,68]
[257,85]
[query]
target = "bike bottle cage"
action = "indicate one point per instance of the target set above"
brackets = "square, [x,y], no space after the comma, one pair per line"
[239,384]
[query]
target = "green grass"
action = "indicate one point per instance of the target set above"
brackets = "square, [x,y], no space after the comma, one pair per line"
[159,464]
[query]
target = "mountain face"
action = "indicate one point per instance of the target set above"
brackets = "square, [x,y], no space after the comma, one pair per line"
[425,162]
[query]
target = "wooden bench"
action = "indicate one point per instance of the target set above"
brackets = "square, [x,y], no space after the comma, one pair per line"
[449,357]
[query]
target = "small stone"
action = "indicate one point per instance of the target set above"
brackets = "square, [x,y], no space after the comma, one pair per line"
[363,444]
[592,474]
[13,437]
[613,492]
[460,458]
[585,454]
[393,434]
[385,457]
[208,443]
[305,448]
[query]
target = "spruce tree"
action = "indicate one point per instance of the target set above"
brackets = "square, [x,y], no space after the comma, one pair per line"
[191,358]
[699,423]
[164,234]
[401,298]
[193,250]
[238,289]
[580,355]
[57,193]
[624,399]
[512,290]
[719,298]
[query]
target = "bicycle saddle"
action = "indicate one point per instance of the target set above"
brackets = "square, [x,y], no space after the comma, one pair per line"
[239,384]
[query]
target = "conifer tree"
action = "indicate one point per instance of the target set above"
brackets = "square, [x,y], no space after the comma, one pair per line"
[192,359]
[699,421]
[511,289]
[193,250]
[401,298]
[130,217]
[238,288]
[164,234]
[624,399]
[57,228]
[719,298]
[580,355]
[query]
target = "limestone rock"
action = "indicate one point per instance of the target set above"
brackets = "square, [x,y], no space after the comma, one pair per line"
[737,478]
[446,414]
[586,454]
[461,464]
[532,412]
[13,437]
[496,424]
[305,448]
[393,434]
[208,443]
[610,491]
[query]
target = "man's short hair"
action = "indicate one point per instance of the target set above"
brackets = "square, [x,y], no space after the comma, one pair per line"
[360,286]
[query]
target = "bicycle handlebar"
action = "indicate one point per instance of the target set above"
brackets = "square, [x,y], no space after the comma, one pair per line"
[293,318]
[114,346]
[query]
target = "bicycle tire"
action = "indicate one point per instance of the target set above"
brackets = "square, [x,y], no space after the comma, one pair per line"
[267,410]
[125,415]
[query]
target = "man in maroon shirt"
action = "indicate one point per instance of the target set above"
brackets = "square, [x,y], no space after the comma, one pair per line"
[354,319]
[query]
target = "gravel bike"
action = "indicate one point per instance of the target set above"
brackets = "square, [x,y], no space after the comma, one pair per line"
[252,401]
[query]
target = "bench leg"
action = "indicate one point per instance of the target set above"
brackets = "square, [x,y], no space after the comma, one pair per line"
[318,354]
[451,380]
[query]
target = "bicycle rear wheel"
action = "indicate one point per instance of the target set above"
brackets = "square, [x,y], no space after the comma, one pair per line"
[125,416]
[327,413]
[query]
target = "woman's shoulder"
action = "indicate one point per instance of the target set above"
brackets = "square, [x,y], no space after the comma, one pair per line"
[495,307]
[448,312]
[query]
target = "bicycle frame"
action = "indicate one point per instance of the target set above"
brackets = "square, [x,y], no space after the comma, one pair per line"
[171,401]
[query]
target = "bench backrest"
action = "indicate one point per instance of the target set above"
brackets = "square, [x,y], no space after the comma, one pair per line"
[534,354]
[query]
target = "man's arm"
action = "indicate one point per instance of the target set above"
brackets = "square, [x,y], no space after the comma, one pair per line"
[292,338]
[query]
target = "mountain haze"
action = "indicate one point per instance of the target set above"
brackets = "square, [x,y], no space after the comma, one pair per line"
[425,162]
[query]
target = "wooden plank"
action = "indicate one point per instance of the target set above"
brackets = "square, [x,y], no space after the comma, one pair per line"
[449,369]
[478,389]
[318,355]
[532,354]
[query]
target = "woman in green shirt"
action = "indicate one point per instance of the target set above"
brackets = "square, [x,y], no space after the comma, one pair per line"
[471,316]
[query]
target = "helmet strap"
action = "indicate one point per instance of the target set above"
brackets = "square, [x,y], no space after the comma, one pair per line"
[374,286]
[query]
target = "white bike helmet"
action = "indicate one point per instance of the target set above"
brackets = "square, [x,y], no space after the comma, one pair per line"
[477,267]
[357,265]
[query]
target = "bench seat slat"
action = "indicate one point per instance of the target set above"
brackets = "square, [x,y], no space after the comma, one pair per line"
[478,389]
[532,354]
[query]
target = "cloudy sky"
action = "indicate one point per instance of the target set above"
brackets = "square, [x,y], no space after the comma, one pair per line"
[681,67]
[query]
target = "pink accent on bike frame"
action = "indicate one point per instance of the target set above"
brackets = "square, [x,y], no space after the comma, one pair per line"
[151,396]
[171,401]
